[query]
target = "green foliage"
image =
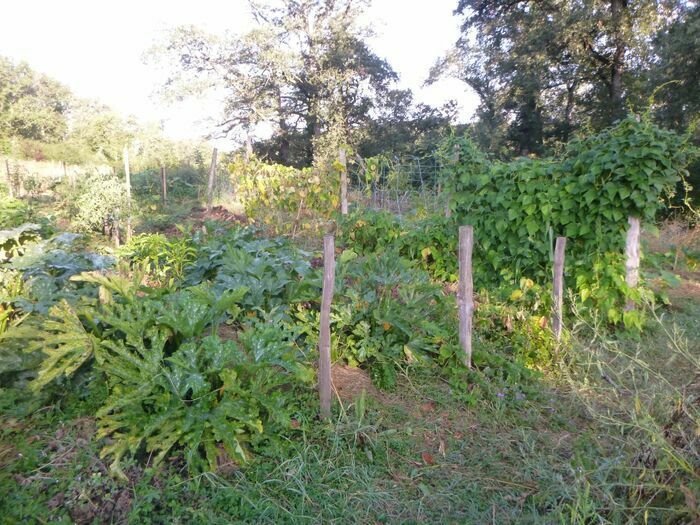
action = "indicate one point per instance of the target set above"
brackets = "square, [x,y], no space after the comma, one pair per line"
[518,208]
[13,213]
[385,316]
[368,231]
[302,196]
[64,340]
[172,381]
[429,242]
[13,242]
[275,273]
[101,202]
[167,256]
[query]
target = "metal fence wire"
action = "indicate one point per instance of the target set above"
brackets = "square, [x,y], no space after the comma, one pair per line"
[401,185]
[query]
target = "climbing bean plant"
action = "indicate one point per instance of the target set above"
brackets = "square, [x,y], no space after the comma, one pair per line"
[587,195]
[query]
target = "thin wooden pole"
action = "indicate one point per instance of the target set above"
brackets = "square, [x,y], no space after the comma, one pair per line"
[127,174]
[558,287]
[448,197]
[343,182]
[10,189]
[212,176]
[465,294]
[324,340]
[632,257]
[164,184]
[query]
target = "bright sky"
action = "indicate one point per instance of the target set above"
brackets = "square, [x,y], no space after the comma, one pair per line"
[96,49]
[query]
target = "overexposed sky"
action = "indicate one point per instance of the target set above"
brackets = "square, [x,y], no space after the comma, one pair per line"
[96,49]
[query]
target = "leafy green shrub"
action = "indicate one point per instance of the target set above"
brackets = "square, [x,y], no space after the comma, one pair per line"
[385,315]
[167,256]
[430,242]
[275,273]
[101,202]
[47,266]
[13,242]
[184,182]
[302,193]
[172,381]
[13,213]
[518,208]
[368,231]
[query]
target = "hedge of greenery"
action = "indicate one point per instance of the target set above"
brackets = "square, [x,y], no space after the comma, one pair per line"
[518,208]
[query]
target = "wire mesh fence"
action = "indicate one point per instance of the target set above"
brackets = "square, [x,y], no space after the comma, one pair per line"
[401,185]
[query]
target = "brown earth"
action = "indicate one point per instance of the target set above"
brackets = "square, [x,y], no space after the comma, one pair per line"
[198,216]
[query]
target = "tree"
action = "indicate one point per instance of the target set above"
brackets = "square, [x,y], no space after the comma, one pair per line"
[32,106]
[544,69]
[306,72]
[678,63]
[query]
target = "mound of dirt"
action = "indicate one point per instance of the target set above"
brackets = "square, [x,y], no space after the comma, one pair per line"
[349,383]
[198,216]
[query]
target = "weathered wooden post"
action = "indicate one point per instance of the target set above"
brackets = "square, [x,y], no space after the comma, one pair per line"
[127,174]
[465,293]
[343,182]
[212,178]
[69,176]
[10,188]
[324,340]
[632,257]
[164,184]
[558,287]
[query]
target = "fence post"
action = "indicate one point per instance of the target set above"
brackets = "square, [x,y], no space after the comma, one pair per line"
[343,182]
[127,174]
[212,175]
[632,257]
[164,184]
[558,287]
[465,294]
[10,189]
[448,210]
[324,340]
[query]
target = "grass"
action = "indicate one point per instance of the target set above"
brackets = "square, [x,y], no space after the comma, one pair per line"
[608,434]
[580,452]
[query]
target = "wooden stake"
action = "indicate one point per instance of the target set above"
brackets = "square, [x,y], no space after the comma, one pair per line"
[10,189]
[343,182]
[127,174]
[448,210]
[465,293]
[324,340]
[212,177]
[558,287]
[632,257]
[164,184]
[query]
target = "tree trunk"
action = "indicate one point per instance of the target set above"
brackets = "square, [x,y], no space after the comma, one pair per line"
[10,188]
[164,185]
[618,61]
[568,112]
[127,175]
[212,177]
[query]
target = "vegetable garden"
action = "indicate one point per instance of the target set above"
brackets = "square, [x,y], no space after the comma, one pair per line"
[174,377]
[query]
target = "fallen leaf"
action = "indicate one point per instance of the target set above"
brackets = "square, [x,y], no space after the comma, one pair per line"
[428,406]
[427,458]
